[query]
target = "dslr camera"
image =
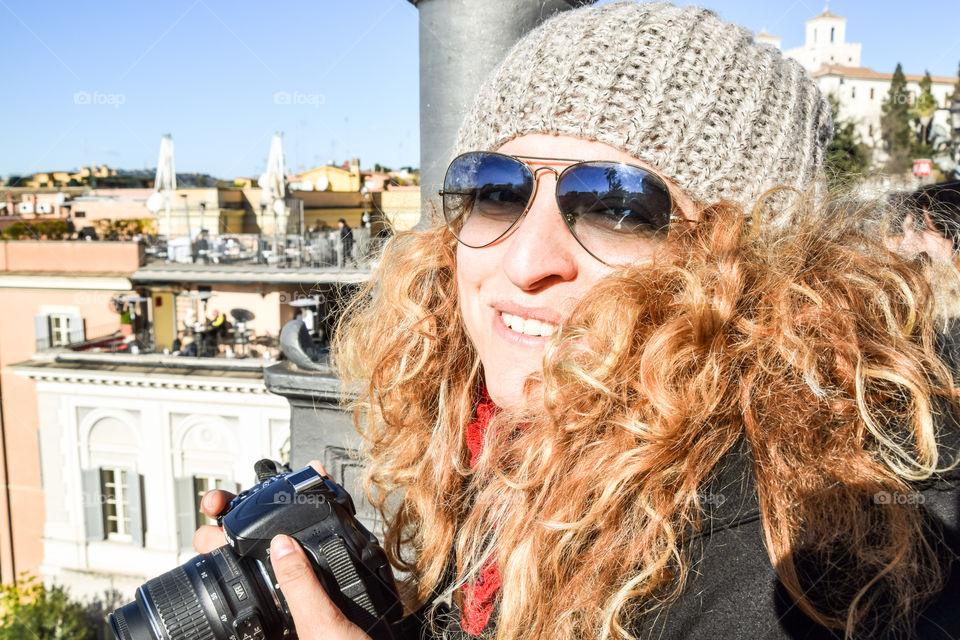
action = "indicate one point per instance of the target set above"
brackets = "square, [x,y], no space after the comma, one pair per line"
[232,593]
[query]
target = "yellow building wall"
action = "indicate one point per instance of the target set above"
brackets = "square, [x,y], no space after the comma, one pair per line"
[401,208]
[340,179]
[164,319]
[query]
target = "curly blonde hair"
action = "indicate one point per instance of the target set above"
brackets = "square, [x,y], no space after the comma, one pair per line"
[810,344]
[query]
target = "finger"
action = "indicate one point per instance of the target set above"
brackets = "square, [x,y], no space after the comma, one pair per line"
[215,502]
[207,538]
[318,466]
[313,612]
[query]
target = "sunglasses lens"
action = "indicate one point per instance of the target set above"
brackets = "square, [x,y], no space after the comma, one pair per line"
[483,195]
[609,206]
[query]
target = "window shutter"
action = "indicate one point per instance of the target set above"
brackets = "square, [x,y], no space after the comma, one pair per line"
[93,514]
[41,325]
[186,511]
[187,507]
[77,330]
[135,493]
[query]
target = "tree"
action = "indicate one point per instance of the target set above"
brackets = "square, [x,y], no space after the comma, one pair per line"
[18,230]
[922,112]
[895,123]
[847,157]
[31,610]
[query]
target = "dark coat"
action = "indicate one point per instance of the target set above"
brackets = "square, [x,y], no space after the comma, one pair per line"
[733,590]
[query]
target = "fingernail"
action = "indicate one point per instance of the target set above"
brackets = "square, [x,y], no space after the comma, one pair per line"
[281,545]
[206,500]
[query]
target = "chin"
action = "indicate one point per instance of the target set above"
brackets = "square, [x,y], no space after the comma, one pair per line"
[506,389]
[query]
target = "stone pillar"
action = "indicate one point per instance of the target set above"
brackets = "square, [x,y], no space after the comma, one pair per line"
[460,42]
[319,428]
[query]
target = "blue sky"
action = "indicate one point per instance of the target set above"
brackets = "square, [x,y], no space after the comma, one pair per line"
[101,82]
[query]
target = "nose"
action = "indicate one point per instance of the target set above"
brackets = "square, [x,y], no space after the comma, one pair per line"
[541,250]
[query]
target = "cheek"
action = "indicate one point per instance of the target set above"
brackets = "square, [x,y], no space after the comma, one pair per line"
[468,283]
[643,251]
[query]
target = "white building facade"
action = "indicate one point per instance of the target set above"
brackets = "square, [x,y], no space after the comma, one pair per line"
[126,454]
[826,44]
[861,92]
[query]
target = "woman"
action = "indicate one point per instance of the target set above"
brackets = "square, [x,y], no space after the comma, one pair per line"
[626,391]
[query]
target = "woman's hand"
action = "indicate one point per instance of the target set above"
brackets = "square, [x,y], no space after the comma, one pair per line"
[210,537]
[315,616]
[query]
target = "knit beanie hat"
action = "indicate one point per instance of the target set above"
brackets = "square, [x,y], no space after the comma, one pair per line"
[723,116]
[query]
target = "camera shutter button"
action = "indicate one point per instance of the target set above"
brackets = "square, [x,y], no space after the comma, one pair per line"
[305,480]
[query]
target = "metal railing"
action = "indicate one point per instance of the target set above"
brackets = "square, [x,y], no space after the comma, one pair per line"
[324,249]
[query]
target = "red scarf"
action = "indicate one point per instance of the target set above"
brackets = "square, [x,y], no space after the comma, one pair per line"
[478,596]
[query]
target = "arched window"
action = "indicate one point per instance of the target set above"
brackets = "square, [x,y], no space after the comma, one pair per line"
[207,448]
[112,487]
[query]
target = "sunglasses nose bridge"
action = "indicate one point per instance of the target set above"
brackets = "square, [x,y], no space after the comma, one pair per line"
[537,174]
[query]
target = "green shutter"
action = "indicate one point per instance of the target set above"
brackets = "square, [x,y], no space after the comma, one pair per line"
[41,325]
[135,501]
[186,511]
[93,516]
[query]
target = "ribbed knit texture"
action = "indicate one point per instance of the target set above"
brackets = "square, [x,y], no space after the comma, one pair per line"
[696,97]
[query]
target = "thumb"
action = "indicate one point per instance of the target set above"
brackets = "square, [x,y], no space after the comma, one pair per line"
[314,614]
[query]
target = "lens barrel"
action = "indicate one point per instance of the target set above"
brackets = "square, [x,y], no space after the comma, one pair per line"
[213,596]
[231,593]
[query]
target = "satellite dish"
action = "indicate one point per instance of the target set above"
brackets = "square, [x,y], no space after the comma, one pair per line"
[155,202]
[323,183]
[278,207]
[306,186]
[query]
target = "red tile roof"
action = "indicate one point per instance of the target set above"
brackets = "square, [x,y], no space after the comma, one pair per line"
[866,73]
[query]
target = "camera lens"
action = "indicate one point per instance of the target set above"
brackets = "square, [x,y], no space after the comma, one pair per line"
[213,596]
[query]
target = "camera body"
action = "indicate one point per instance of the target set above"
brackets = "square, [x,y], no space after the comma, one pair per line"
[232,592]
[320,515]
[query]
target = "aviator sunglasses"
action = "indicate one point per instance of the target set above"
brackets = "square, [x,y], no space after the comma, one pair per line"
[606,205]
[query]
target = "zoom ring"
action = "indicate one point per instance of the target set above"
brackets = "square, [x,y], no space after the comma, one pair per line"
[180,610]
[122,630]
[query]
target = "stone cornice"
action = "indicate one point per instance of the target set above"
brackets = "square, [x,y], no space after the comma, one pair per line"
[139,380]
[79,281]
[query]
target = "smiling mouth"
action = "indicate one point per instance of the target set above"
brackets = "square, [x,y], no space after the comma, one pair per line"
[528,326]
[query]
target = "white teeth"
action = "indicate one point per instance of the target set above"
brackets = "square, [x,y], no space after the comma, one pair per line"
[528,326]
[531,327]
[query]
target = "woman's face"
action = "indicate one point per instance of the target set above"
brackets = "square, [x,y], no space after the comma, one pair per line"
[536,272]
